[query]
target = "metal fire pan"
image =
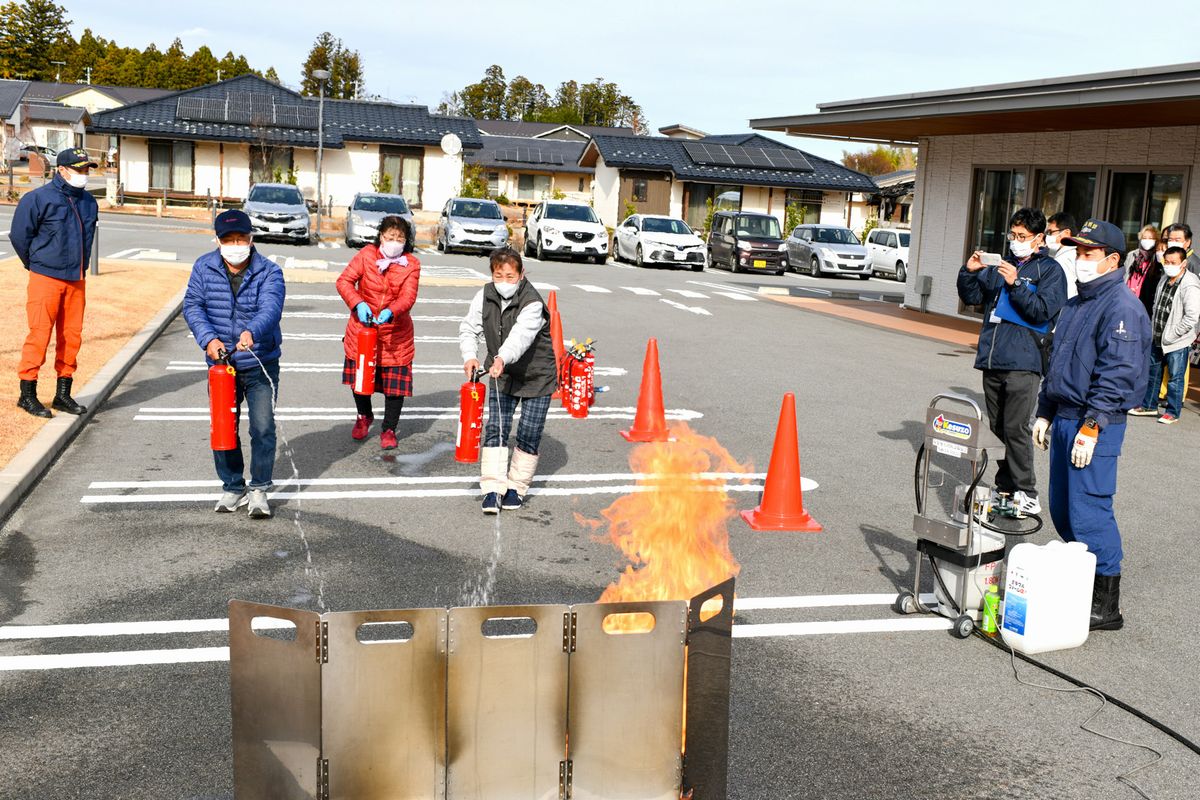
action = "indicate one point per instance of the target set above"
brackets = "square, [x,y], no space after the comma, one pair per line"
[507,702]
[275,689]
[384,706]
[706,762]
[625,722]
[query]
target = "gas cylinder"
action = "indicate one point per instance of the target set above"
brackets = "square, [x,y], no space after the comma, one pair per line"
[364,366]
[222,406]
[590,368]
[575,390]
[471,397]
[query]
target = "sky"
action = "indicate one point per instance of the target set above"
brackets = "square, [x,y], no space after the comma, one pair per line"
[709,65]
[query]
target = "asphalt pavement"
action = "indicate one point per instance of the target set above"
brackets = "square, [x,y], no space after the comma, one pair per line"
[833,694]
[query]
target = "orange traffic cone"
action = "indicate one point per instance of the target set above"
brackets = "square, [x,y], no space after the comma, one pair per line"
[552,302]
[650,422]
[782,505]
[557,342]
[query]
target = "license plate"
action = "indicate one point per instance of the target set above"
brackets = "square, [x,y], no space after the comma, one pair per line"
[577,248]
[274,227]
[758,262]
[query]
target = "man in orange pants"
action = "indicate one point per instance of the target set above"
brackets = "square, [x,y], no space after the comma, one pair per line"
[52,232]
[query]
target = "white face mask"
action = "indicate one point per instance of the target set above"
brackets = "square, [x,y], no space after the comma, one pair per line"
[505,290]
[235,253]
[391,248]
[1088,271]
[77,179]
[1172,270]
[1051,242]
[1147,244]
[1021,250]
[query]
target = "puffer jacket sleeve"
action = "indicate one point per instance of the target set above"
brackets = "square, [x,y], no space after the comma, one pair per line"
[408,290]
[270,302]
[195,307]
[973,286]
[347,282]
[24,225]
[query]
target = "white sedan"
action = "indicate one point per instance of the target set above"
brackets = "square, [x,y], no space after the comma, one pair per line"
[655,239]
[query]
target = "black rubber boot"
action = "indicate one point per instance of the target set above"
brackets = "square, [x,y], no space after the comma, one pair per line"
[1106,603]
[63,400]
[29,402]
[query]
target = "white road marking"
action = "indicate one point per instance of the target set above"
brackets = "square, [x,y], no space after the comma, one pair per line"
[449,271]
[124,253]
[841,626]
[724,287]
[689,294]
[423,369]
[291,262]
[587,287]
[682,307]
[337,298]
[149,254]
[416,412]
[818,600]
[345,314]
[546,287]
[641,290]
[337,337]
[737,296]
[131,658]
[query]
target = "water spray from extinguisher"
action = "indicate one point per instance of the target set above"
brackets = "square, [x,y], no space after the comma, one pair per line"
[478,592]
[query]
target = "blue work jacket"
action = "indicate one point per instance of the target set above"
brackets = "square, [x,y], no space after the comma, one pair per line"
[53,228]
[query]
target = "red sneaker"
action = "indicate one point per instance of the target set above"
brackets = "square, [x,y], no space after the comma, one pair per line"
[361,426]
[387,440]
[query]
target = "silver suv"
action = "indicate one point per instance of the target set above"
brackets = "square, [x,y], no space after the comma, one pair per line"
[278,210]
[469,223]
[367,210]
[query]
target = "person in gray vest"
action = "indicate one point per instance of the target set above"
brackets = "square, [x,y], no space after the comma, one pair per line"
[511,318]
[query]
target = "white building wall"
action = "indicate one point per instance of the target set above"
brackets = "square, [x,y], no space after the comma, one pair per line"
[135,163]
[941,214]
[605,193]
[675,208]
[443,178]
[833,208]
[207,159]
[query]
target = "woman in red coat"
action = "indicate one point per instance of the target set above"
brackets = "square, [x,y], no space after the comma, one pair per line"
[380,286]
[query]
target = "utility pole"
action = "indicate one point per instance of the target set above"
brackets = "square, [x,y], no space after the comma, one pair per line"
[58,72]
[88,70]
[356,90]
[218,76]
[321,75]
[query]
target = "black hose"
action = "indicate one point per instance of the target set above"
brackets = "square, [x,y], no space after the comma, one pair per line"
[917,479]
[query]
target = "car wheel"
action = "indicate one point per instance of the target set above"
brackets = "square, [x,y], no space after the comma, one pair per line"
[440,246]
[526,247]
[864,277]
[616,251]
[698,267]
[539,250]
[814,267]
[901,272]
[779,272]
[637,257]
[708,258]
[784,263]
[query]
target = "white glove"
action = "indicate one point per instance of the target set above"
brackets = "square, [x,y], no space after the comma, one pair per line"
[1085,445]
[1041,433]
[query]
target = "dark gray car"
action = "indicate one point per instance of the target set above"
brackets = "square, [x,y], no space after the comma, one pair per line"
[366,211]
[818,249]
[278,211]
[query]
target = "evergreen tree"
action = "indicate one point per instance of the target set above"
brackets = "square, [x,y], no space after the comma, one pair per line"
[36,32]
[347,80]
[525,99]
[321,56]
[202,67]
[272,75]
[12,49]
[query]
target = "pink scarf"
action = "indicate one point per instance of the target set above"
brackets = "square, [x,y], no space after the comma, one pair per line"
[384,263]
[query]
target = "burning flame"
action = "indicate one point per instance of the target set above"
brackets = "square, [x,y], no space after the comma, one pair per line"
[672,530]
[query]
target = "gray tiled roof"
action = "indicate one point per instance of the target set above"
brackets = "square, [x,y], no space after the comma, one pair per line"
[513,127]
[11,93]
[669,155]
[45,111]
[122,94]
[568,151]
[345,120]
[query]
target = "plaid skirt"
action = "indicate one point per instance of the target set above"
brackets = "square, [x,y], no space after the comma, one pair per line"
[389,381]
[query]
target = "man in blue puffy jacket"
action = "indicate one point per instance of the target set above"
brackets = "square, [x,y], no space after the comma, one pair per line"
[1021,298]
[233,305]
[52,232]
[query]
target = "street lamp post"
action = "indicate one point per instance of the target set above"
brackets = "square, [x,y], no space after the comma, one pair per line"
[321,75]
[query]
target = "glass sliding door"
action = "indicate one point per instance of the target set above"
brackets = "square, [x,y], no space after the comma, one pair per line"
[997,194]
[1059,190]
[181,166]
[404,167]
[160,165]
[1166,199]
[1136,199]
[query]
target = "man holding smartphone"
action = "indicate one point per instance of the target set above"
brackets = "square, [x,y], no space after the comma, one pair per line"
[1021,296]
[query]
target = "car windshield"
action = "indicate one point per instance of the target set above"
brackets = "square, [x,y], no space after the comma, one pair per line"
[836,236]
[904,239]
[475,210]
[280,195]
[572,213]
[767,227]
[658,225]
[384,205]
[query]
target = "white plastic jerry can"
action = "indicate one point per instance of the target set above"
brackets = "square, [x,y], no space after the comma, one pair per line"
[1048,596]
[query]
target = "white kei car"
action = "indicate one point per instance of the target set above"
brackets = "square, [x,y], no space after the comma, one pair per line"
[656,239]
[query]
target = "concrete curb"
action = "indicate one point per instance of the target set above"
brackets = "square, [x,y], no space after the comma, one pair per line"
[28,465]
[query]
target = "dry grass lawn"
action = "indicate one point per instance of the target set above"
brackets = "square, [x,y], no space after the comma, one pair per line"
[120,301]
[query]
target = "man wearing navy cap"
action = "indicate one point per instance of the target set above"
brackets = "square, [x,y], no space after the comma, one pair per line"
[52,233]
[1098,371]
[233,305]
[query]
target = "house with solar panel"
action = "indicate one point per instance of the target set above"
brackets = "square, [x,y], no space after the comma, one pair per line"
[219,140]
[682,172]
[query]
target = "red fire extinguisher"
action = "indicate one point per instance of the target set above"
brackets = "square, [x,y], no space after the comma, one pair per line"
[471,396]
[575,388]
[222,404]
[364,366]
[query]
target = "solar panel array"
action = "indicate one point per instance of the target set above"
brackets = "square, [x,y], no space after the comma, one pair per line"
[720,155]
[530,155]
[247,108]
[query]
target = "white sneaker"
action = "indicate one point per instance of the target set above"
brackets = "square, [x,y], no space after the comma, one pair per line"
[259,508]
[1025,504]
[231,501]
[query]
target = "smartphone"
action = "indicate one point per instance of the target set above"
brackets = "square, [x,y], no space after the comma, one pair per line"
[990,259]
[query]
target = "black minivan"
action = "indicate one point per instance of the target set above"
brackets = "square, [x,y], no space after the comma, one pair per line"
[742,240]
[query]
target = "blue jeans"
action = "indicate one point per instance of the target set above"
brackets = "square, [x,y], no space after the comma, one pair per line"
[1176,364]
[253,386]
[1081,500]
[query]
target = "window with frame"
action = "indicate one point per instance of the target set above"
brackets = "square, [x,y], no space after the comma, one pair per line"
[1072,191]
[493,181]
[270,164]
[531,186]
[172,165]
[405,167]
[1137,199]
[639,190]
[809,201]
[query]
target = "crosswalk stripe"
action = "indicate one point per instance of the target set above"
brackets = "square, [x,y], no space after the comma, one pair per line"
[641,290]
[737,296]
[689,293]
[587,287]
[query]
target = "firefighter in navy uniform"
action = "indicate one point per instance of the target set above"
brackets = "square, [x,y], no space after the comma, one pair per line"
[1098,371]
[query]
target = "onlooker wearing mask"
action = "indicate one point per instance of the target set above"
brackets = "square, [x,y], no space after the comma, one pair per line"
[1179,234]
[1173,324]
[1143,270]
[1025,292]
[1059,227]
